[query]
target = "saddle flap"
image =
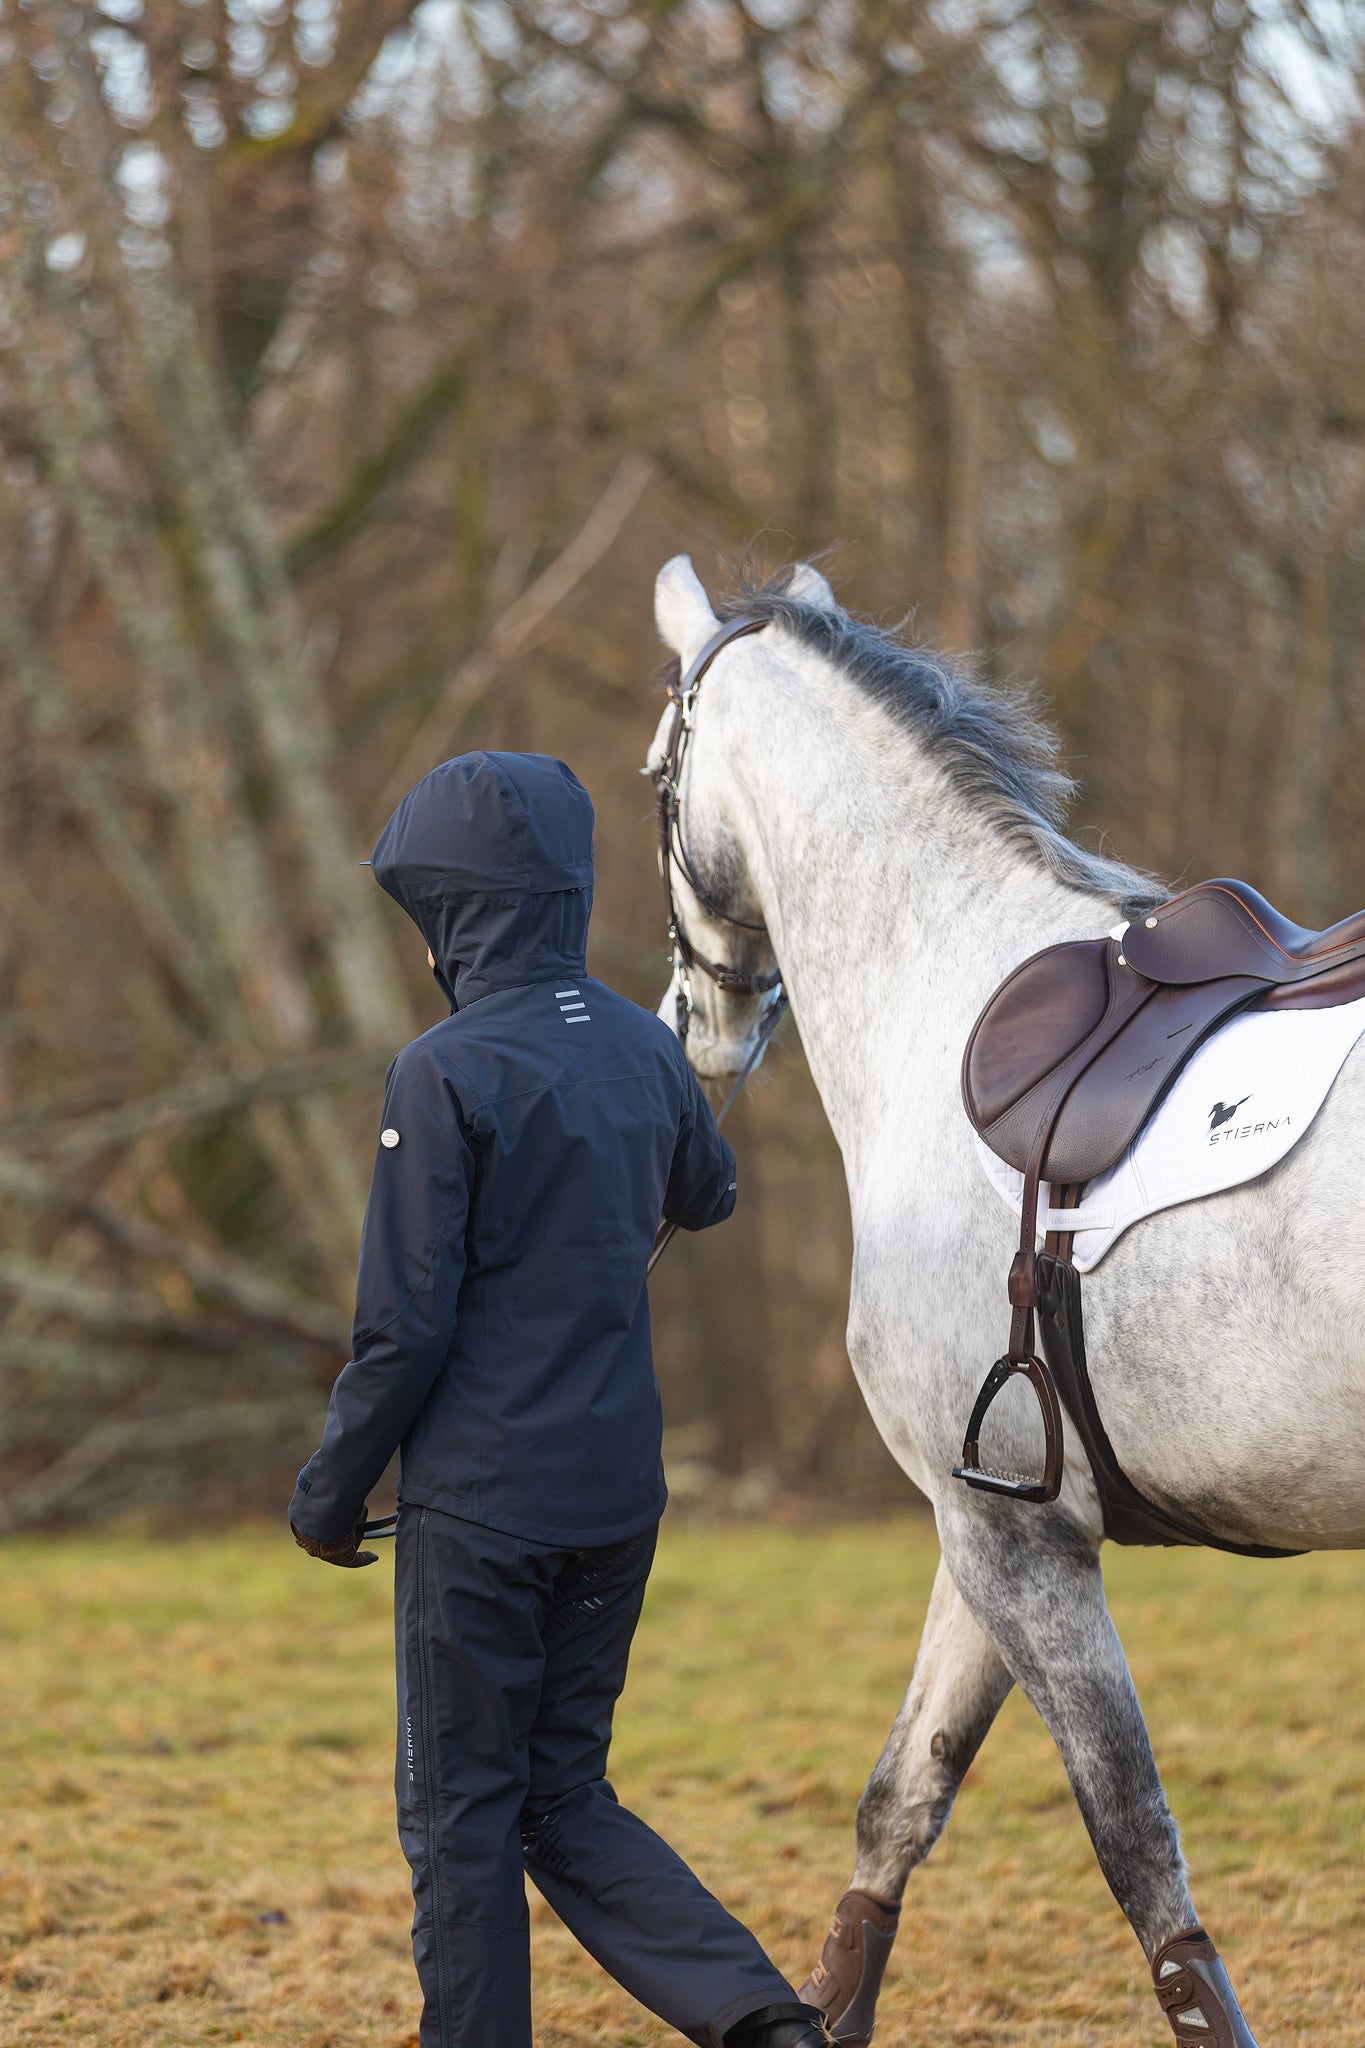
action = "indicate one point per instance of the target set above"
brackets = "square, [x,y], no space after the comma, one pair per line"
[1076,1049]
[1121,1088]
[1035,1019]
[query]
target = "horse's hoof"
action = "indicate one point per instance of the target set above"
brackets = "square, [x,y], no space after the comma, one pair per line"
[845,1982]
[1195,1994]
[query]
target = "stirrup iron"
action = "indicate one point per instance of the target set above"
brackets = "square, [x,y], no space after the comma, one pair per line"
[1020,1358]
[1012,1484]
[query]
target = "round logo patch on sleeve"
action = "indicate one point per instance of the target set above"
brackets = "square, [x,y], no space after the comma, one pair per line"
[388,1138]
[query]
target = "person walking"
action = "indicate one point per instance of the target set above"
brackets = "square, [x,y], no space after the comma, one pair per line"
[530,1144]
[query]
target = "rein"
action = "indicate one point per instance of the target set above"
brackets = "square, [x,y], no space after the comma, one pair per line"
[772,1017]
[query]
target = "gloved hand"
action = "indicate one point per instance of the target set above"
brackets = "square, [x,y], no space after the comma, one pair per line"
[347,1553]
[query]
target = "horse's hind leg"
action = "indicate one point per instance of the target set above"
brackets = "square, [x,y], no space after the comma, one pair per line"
[955,1693]
[1034,1585]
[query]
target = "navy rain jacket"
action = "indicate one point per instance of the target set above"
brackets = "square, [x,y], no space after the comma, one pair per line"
[530,1144]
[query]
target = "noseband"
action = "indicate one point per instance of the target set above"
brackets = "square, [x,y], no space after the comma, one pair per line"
[668,811]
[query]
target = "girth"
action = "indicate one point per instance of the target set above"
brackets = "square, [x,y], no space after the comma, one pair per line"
[1129,1517]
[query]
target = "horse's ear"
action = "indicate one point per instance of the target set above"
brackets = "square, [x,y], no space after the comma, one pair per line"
[808,586]
[682,611]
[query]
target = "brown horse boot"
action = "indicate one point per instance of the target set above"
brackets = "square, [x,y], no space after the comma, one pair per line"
[845,1982]
[1195,1994]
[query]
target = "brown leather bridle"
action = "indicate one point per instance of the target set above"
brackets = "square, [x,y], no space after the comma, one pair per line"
[668,812]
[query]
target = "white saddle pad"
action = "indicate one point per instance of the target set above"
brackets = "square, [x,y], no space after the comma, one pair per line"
[1244,1100]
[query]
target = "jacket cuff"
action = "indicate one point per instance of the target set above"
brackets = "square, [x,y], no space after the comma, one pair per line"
[317,1522]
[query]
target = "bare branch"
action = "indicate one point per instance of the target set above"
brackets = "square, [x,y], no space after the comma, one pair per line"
[57,1290]
[196,1100]
[365,486]
[216,1274]
[517,626]
[140,1436]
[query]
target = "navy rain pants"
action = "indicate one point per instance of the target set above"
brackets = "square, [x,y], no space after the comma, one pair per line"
[511,1657]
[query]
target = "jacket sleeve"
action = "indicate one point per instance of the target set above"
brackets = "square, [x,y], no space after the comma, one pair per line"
[701,1185]
[412,1261]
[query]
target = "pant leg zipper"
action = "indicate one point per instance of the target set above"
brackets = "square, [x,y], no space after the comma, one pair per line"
[424,1692]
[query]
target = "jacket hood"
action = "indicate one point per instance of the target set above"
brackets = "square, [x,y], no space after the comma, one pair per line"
[491,857]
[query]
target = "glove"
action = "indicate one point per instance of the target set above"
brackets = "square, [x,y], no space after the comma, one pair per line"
[347,1553]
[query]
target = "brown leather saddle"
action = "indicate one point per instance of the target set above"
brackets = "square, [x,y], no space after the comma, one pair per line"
[1069,1059]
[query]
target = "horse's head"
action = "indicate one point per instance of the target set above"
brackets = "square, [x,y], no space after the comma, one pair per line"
[726,973]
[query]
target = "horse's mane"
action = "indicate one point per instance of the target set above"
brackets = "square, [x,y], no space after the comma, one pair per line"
[995,744]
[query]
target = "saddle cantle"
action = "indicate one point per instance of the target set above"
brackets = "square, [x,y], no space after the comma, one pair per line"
[1079,1046]
[1227,928]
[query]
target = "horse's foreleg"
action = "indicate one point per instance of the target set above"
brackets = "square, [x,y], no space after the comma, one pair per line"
[955,1693]
[1035,1587]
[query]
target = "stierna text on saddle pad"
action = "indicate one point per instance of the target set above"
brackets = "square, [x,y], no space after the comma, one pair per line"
[1243,1102]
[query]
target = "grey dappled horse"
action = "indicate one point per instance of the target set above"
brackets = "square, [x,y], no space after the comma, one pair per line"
[894,828]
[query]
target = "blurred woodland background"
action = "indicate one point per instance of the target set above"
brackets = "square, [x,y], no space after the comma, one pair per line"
[359,365]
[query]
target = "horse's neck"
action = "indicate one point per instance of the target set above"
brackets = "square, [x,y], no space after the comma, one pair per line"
[892,927]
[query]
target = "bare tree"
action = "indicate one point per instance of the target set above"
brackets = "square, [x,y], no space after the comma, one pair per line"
[357,367]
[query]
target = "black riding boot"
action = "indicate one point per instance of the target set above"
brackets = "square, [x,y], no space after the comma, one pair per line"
[780,2026]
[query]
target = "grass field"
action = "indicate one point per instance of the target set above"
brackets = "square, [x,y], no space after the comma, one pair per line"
[197,1842]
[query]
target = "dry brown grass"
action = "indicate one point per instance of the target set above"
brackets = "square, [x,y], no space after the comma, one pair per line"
[198,1847]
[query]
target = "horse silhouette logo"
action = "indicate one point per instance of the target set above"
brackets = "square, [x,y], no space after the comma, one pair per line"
[1223,1112]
